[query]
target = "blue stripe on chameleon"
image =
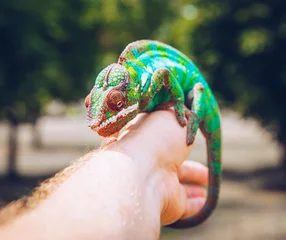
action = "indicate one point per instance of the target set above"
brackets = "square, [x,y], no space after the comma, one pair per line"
[137,64]
[190,66]
[170,53]
[135,52]
[145,59]
[153,47]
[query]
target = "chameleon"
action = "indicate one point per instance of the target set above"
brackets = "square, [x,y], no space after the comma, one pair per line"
[151,75]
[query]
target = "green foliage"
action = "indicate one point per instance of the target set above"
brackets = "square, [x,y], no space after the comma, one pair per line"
[24,50]
[241,47]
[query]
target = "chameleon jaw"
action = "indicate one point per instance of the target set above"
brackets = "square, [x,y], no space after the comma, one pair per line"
[124,112]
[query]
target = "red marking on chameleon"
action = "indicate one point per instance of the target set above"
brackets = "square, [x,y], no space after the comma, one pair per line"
[121,59]
[87,101]
[114,125]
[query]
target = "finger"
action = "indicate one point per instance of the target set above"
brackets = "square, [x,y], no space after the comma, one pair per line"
[194,191]
[194,205]
[193,172]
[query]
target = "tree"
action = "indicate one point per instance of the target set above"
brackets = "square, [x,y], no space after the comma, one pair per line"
[54,49]
[41,58]
[23,53]
[241,46]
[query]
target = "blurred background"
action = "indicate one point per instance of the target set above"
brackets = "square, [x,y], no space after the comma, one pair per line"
[51,51]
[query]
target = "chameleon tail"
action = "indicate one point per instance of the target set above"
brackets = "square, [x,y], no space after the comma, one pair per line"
[211,130]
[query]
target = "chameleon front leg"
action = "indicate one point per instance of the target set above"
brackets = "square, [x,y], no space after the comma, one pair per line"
[163,77]
[195,115]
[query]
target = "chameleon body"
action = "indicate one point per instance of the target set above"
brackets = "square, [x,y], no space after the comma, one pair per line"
[151,75]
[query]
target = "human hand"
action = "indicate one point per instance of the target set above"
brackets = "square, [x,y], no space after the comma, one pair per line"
[158,145]
[124,191]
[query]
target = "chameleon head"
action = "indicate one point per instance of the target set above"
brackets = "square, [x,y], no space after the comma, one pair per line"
[112,103]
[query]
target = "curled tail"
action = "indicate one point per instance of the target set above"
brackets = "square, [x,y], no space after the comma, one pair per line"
[210,127]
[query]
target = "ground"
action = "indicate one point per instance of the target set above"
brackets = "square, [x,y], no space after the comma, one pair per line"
[253,198]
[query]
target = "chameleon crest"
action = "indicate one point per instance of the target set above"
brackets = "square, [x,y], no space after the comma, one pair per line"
[109,105]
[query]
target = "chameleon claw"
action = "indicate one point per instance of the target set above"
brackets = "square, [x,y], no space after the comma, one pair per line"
[180,115]
[193,125]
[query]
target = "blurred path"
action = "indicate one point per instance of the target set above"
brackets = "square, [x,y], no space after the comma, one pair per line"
[245,145]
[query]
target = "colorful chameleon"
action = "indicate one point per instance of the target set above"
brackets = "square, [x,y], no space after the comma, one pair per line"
[151,74]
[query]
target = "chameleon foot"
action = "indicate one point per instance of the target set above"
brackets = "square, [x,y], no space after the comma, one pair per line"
[193,125]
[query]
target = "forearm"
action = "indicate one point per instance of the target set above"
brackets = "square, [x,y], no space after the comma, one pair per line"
[108,197]
[126,192]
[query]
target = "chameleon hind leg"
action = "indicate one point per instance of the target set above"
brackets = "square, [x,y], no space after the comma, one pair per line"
[163,77]
[196,113]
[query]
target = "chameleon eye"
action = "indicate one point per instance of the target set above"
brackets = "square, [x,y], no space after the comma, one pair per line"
[87,101]
[119,104]
[115,100]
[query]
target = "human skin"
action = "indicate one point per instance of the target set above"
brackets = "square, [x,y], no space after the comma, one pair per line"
[126,190]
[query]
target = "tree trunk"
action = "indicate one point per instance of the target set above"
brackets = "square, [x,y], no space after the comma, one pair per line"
[12,150]
[12,143]
[282,141]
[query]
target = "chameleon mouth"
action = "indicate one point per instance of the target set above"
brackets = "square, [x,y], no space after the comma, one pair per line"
[124,112]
